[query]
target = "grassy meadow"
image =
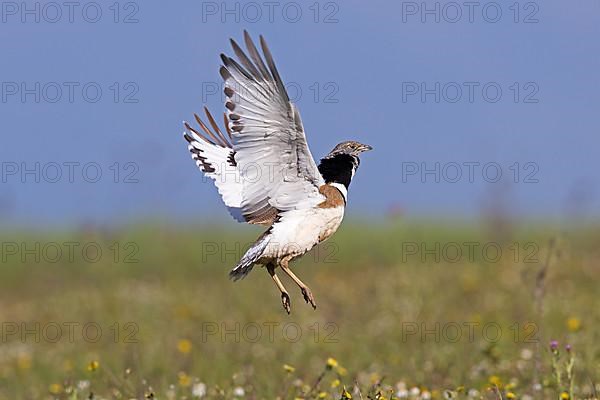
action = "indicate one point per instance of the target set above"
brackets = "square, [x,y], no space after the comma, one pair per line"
[406,309]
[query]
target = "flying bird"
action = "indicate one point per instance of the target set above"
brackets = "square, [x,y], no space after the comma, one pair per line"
[264,170]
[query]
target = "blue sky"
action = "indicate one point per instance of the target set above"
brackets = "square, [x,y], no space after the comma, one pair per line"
[471,95]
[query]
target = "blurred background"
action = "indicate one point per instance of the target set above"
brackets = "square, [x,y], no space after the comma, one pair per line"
[514,103]
[479,203]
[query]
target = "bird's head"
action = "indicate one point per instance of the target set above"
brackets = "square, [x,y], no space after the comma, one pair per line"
[341,163]
[350,148]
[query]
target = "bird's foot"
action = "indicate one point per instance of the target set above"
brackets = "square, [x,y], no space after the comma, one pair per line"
[308,297]
[285,300]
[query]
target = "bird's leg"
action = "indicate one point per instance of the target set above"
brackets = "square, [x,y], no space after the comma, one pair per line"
[285,297]
[306,292]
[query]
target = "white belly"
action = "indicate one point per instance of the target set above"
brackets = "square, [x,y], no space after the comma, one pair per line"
[299,231]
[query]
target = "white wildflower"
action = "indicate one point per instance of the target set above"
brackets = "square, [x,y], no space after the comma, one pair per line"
[199,390]
[83,385]
[526,354]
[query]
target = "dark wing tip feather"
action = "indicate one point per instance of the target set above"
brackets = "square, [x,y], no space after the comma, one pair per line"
[225,59]
[229,62]
[189,137]
[245,60]
[273,68]
[255,55]
[207,136]
[224,72]
[241,69]
[216,129]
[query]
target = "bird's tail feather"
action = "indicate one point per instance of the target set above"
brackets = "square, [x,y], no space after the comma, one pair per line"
[247,262]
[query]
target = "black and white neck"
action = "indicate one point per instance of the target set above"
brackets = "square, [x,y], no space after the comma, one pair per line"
[338,171]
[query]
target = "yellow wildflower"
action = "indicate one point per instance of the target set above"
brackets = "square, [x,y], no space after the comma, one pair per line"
[335,383]
[322,395]
[332,363]
[564,396]
[288,368]
[495,380]
[184,346]
[184,379]
[55,388]
[342,371]
[510,395]
[345,394]
[24,362]
[93,365]
[573,324]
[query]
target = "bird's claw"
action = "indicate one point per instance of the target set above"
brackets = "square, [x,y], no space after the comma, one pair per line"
[285,300]
[308,297]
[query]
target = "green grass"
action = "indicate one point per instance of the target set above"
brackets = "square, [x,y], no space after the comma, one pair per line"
[374,302]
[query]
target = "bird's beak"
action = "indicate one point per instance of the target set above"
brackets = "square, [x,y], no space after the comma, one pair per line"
[365,147]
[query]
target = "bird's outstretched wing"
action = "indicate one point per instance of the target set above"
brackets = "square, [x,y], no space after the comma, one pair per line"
[214,155]
[278,172]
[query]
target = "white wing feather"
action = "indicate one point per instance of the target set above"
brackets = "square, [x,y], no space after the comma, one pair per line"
[212,153]
[275,163]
